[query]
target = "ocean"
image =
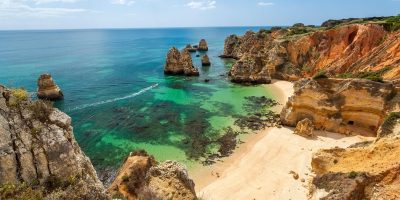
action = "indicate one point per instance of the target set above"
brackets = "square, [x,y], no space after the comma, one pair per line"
[118,96]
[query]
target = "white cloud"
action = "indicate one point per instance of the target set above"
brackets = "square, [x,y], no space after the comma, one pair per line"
[123,2]
[52,1]
[19,8]
[265,3]
[202,5]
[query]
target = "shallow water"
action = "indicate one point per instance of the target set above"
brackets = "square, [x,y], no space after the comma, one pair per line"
[116,92]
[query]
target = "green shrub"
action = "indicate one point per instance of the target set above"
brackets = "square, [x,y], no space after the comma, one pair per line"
[41,110]
[353,175]
[392,23]
[18,96]
[125,178]
[320,75]
[21,191]
[389,123]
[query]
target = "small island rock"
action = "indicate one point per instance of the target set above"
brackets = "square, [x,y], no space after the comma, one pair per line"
[190,48]
[205,61]
[180,63]
[203,45]
[47,89]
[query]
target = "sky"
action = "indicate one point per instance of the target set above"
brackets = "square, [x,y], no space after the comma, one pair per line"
[83,14]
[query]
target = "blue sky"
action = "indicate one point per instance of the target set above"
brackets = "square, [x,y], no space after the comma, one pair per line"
[67,14]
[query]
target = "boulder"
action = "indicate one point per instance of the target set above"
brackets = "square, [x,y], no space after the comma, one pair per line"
[205,61]
[304,128]
[141,177]
[47,89]
[203,45]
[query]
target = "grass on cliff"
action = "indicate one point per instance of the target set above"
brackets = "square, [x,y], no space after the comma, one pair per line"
[389,124]
[41,110]
[392,23]
[18,95]
[370,75]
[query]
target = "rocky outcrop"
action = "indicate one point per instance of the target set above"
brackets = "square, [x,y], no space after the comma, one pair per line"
[351,106]
[38,148]
[298,52]
[180,63]
[304,128]
[205,61]
[47,89]
[141,177]
[203,45]
[370,172]
[190,48]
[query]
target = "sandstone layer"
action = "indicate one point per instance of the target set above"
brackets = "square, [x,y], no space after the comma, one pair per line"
[38,150]
[347,106]
[142,178]
[178,63]
[303,51]
[47,89]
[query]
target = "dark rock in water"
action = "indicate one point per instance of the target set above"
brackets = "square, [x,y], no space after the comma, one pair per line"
[196,46]
[197,55]
[190,48]
[47,89]
[203,45]
[206,80]
[205,61]
[180,63]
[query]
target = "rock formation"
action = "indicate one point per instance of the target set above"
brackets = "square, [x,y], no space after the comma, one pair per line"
[351,106]
[303,51]
[47,89]
[205,61]
[141,177]
[304,128]
[180,63]
[203,45]
[190,48]
[38,148]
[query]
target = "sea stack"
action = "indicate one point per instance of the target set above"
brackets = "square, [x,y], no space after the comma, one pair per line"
[205,61]
[203,45]
[190,48]
[47,89]
[180,63]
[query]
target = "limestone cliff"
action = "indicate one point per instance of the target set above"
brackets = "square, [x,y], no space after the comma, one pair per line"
[38,152]
[365,171]
[303,51]
[142,178]
[347,106]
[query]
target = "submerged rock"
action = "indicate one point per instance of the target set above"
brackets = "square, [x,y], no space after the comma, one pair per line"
[141,177]
[180,63]
[205,61]
[203,45]
[47,89]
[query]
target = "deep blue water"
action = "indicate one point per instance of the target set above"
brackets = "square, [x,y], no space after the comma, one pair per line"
[116,92]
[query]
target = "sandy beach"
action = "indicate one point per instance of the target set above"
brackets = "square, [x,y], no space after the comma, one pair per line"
[260,168]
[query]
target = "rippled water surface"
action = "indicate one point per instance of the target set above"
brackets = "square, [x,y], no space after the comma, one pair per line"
[116,92]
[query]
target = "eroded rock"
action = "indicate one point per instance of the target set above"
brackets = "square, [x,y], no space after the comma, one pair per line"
[178,63]
[203,45]
[304,128]
[205,61]
[47,89]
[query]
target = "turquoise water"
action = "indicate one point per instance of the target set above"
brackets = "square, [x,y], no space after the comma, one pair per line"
[116,92]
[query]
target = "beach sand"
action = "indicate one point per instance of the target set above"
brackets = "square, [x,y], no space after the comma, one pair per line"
[260,168]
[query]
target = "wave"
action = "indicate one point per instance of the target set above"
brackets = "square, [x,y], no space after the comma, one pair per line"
[115,99]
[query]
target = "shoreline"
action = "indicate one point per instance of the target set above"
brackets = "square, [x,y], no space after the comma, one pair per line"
[260,167]
[205,175]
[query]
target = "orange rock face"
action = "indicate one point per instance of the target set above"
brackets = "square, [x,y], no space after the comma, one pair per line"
[285,55]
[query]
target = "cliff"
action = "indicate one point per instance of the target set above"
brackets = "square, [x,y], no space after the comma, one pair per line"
[39,155]
[303,51]
[178,63]
[347,106]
